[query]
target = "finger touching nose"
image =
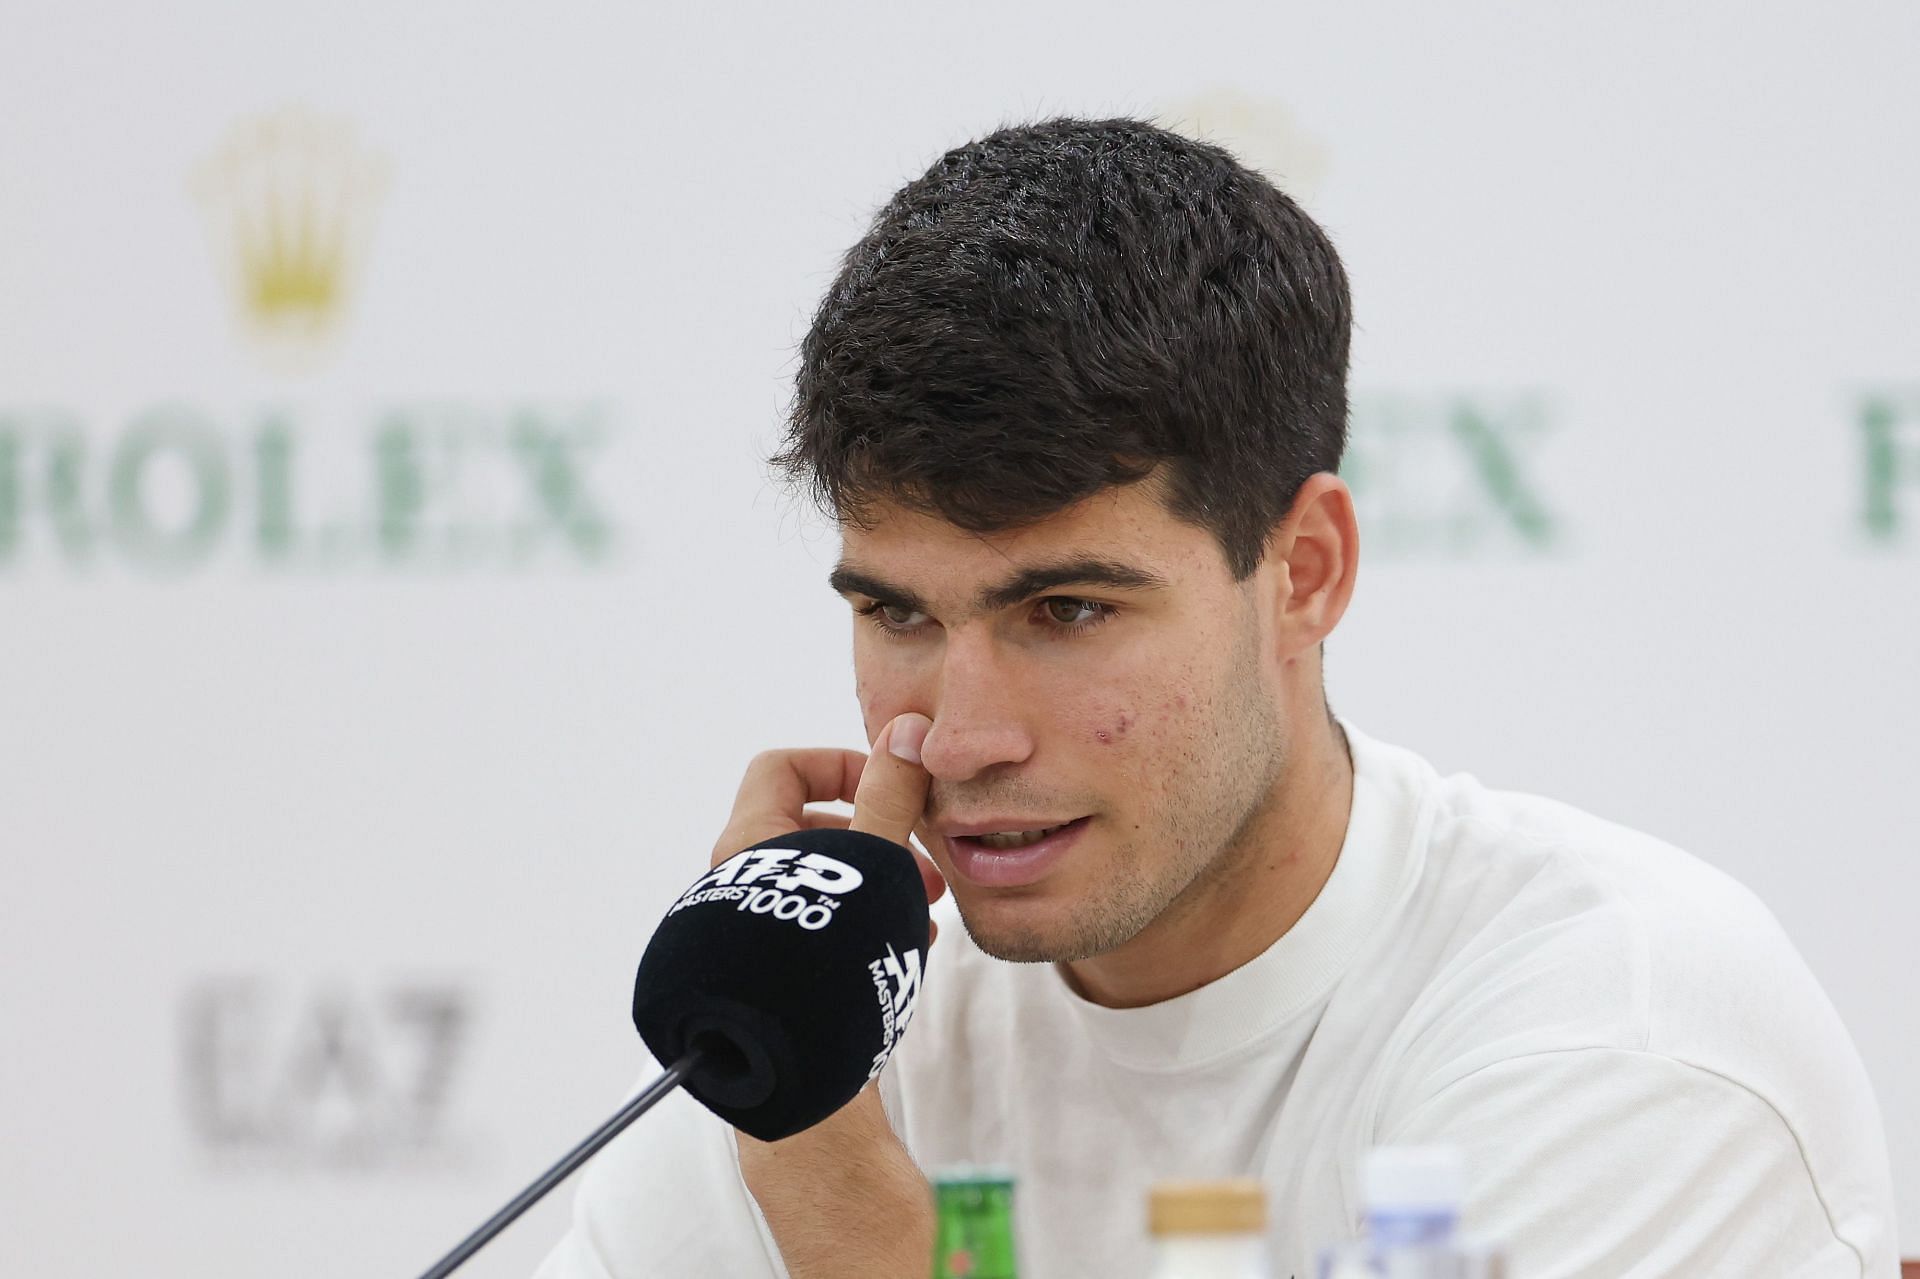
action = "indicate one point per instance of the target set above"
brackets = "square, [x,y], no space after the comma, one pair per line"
[893,786]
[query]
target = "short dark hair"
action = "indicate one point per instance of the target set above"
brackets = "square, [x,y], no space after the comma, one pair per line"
[1064,306]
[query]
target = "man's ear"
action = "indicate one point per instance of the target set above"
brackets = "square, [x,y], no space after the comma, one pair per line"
[1316,550]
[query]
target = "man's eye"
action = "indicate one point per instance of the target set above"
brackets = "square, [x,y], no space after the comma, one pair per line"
[891,619]
[1071,612]
[899,615]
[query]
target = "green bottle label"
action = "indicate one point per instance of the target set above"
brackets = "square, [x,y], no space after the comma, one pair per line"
[974,1238]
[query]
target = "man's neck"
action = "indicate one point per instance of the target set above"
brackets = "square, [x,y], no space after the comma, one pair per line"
[1251,900]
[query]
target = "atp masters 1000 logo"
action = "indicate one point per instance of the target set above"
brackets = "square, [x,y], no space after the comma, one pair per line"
[319,480]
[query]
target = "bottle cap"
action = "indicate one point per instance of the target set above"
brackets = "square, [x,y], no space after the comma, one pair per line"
[972,1175]
[1425,1179]
[1236,1207]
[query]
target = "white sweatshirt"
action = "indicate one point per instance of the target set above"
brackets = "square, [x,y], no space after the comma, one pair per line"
[1643,1076]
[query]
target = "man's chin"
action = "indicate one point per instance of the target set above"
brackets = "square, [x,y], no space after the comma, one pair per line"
[1029,932]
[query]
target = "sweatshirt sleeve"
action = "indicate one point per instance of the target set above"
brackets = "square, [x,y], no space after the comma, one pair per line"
[665,1199]
[1607,1163]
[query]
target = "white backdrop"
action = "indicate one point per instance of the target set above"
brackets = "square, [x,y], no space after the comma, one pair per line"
[390,588]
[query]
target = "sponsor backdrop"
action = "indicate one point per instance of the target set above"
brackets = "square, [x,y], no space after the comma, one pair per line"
[391,589]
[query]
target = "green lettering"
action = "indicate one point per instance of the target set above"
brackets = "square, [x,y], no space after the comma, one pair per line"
[400,488]
[550,459]
[156,437]
[55,441]
[1886,466]
[1492,445]
[273,479]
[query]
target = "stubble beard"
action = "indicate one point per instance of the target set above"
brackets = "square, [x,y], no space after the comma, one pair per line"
[1203,836]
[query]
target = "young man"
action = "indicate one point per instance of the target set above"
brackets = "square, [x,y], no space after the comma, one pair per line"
[1077,402]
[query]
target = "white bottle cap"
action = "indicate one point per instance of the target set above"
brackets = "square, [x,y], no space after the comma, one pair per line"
[1423,1179]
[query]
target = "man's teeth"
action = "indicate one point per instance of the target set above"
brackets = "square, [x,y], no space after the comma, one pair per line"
[1005,841]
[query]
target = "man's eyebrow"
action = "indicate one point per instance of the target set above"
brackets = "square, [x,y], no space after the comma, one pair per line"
[1028,582]
[1086,570]
[849,580]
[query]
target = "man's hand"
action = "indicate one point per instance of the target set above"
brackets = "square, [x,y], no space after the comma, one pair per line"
[843,1199]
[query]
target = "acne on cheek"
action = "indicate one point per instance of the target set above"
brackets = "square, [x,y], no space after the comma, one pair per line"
[1121,723]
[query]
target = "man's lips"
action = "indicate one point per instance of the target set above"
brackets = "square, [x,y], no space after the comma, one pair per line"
[978,862]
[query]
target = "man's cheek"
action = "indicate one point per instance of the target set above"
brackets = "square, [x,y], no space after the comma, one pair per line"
[880,697]
[1143,754]
[1112,727]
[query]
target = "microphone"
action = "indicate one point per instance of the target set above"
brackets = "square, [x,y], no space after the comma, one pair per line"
[777,987]
[793,968]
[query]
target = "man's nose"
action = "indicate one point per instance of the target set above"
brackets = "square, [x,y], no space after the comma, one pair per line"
[980,718]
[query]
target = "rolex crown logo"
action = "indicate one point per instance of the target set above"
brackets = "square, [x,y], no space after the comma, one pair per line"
[290,200]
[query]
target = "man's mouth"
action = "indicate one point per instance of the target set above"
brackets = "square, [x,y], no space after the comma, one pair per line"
[1003,854]
[1007,841]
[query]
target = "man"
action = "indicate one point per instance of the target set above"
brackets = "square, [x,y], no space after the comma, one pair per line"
[1077,401]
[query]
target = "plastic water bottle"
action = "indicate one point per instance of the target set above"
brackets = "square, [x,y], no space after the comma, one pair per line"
[1209,1230]
[1412,1197]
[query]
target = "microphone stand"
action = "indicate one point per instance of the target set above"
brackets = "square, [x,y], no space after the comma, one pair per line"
[652,1093]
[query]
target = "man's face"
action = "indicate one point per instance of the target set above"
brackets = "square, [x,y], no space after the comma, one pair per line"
[1105,720]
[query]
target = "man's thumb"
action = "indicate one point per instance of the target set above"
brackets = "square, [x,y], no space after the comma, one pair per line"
[893,786]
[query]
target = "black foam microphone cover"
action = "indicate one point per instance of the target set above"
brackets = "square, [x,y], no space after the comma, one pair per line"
[793,966]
